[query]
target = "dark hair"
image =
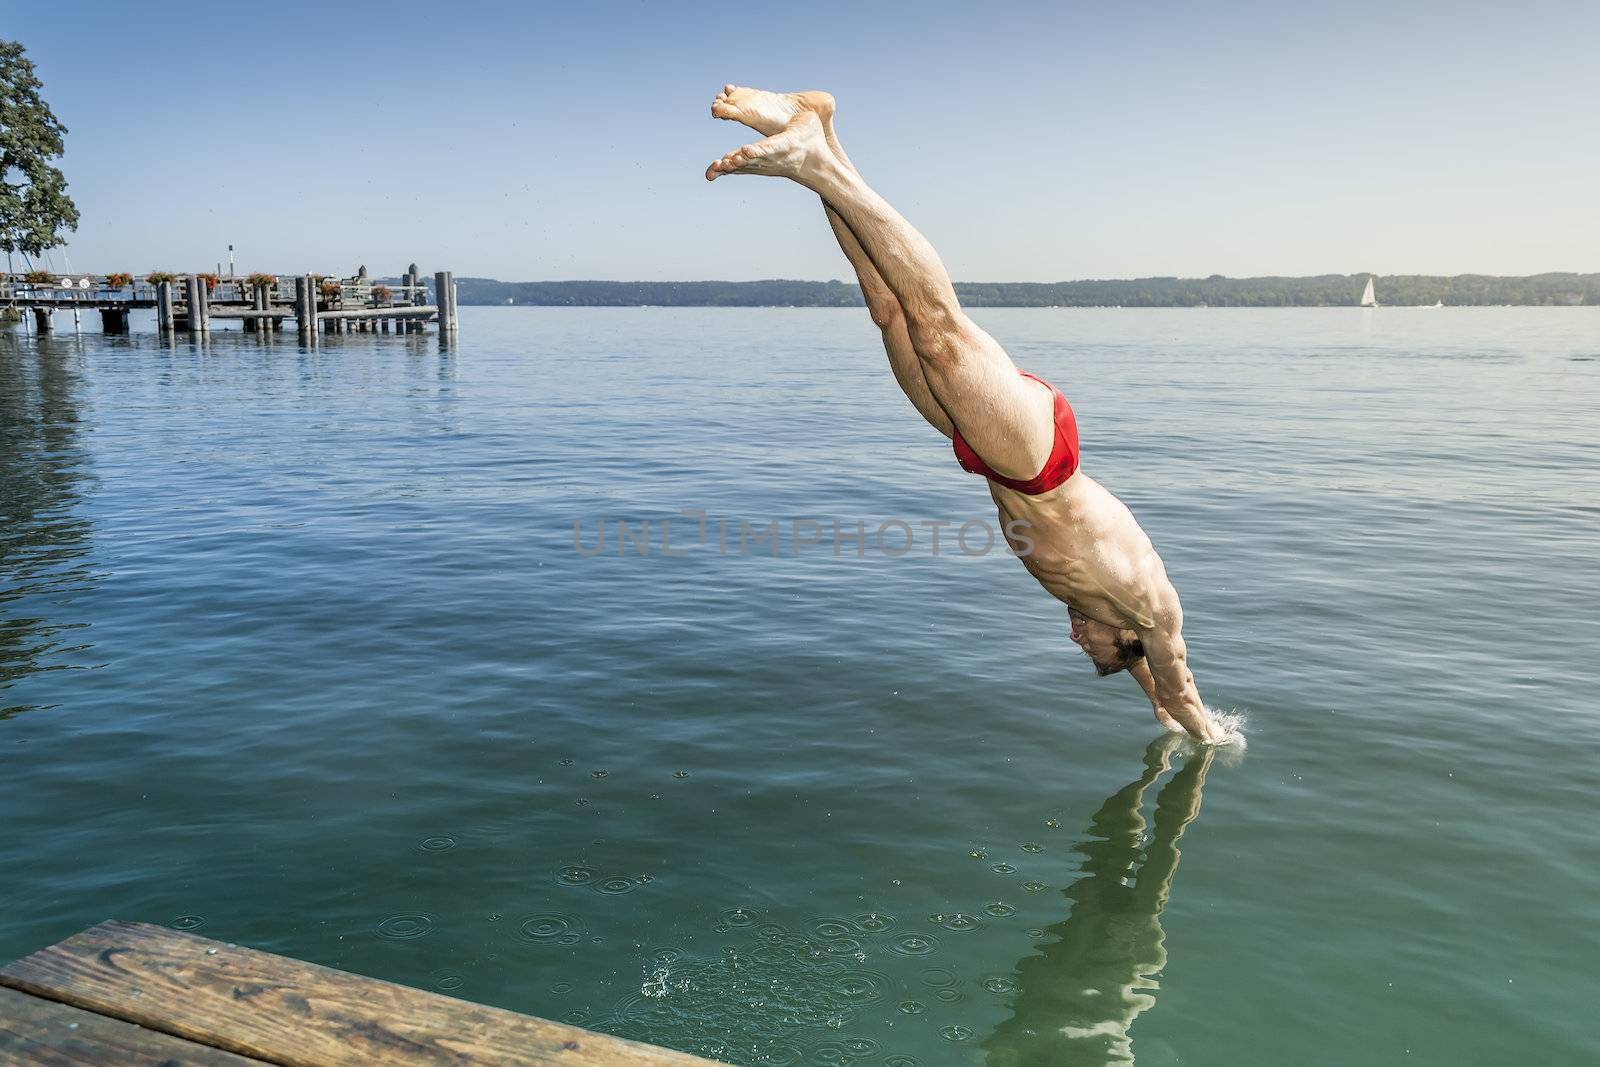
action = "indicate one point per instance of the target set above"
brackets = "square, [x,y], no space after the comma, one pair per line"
[1129,651]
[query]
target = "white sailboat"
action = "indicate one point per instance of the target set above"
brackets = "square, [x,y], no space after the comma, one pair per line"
[1368,298]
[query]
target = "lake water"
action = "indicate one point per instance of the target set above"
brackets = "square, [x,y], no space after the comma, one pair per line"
[298,652]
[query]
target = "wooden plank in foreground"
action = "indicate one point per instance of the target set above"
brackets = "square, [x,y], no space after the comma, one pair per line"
[287,1012]
[38,1031]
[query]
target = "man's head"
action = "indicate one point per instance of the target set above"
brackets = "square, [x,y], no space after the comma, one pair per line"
[1109,648]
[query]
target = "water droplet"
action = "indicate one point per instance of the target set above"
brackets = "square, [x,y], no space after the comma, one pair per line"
[915,945]
[999,984]
[1054,824]
[561,987]
[900,1061]
[1000,909]
[912,1007]
[569,939]
[1031,847]
[857,988]
[576,1017]
[565,762]
[187,922]
[544,928]
[1034,887]
[860,1046]
[938,976]
[405,927]
[979,853]
[954,1032]
[830,1054]
[875,922]
[574,874]
[832,928]
[1036,932]
[680,774]
[617,886]
[949,996]
[448,982]
[961,922]
[1003,868]
[739,917]
[592,774]
[437,844]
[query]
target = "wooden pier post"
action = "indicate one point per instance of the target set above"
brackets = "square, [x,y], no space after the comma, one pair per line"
[444,285]
[191,297]
[310,321]
[164,307]
[300,317]
[44,320]
[413,278]
[205,305]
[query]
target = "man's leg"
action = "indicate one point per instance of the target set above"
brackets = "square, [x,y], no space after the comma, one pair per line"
[887,314]
[768,113]
[1005,418]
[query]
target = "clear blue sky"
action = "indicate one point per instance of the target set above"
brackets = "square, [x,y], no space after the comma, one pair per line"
[1039,141]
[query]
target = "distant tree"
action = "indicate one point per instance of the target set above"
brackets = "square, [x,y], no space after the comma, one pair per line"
[34,206]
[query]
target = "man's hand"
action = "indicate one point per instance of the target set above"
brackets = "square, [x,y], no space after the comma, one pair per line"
[1172,689]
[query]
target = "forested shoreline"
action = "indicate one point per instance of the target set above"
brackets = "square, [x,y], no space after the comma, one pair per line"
[1323,290]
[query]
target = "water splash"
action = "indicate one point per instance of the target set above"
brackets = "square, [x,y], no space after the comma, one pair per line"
[405,927]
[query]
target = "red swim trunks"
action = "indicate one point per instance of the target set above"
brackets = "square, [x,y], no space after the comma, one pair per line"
[1061,465]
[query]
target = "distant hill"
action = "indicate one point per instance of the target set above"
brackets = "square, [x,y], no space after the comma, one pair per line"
[1323,290]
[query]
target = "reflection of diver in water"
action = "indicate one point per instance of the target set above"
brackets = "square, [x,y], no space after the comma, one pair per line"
[1079,997]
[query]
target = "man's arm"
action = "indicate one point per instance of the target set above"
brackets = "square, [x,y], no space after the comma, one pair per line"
[1141,674]
[1168,664]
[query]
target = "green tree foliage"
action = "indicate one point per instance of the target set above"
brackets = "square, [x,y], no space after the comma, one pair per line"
[1324,290]
[34,206]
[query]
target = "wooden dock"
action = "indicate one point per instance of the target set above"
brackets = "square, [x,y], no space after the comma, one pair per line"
[192,302]
[138,995]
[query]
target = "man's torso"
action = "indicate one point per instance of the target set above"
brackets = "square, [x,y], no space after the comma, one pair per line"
[1087,550]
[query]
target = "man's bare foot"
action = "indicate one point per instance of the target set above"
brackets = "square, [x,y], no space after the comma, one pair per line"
[767,113]
[792,152]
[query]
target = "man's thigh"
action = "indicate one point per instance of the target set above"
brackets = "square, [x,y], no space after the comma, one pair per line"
[1008,420]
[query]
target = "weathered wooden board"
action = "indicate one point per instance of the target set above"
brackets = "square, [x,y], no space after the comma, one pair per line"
[42,1033]
[287,1012]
